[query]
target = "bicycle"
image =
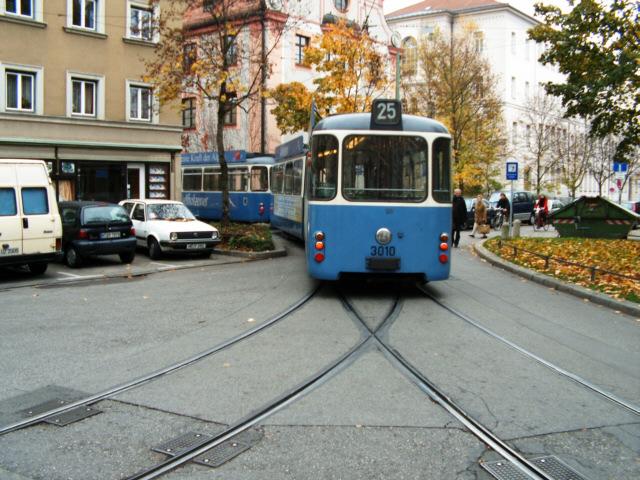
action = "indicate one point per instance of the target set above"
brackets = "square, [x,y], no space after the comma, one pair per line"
[498,218]
[541,220]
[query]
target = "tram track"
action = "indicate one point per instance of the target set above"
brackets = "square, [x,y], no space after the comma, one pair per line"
[123,387]
[633,408]
[476,428]
[277,404]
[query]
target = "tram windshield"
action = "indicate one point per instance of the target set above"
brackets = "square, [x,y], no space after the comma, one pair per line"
[382,168]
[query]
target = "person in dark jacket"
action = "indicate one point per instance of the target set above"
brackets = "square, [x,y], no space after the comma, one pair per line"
[503,203]
[459,211]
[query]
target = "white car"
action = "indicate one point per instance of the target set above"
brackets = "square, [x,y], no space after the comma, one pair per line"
[168,226]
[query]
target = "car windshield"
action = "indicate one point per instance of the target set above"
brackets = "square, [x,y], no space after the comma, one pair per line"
[170,211]
[105,214]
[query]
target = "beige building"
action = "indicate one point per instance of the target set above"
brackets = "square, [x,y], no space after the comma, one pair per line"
[71,93]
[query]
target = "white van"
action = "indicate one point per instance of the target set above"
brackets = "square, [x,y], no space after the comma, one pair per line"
[30,226]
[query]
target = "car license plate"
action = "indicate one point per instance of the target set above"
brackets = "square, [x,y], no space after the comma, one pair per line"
[110,235]
[195,246]
[9,251]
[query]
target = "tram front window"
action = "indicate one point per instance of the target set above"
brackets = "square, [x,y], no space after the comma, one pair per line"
[383,168]
[324,167]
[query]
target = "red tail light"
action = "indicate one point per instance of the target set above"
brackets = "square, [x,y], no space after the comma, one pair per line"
[319,245]
[443,258]
[444,246]
[83,234]
[132,232]
[319,257]
[58,244]
[261,209]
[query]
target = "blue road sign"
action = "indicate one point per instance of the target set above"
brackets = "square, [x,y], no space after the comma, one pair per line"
[620,167]
[512,170]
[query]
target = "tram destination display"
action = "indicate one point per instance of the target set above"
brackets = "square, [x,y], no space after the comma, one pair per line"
[386,115]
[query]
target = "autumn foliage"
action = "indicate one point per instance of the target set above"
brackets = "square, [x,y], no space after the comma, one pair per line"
[617,256]
[351,73]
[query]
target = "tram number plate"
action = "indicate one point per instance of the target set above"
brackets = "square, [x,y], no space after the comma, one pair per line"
[383,251]
[383,263]
[195,246]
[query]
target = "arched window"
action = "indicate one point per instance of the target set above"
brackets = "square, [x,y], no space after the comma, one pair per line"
[409,56]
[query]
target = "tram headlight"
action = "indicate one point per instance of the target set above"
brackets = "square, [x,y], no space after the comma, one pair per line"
[383,236]
[173,236]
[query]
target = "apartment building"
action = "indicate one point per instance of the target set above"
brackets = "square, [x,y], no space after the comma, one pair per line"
[72,94]
[251,127]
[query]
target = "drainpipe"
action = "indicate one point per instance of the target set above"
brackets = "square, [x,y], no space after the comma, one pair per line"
[263,100]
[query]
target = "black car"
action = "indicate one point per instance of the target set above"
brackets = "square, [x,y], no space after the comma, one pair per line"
[96,228]
[522,204]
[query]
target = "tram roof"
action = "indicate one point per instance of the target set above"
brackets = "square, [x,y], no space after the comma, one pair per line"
[362,121]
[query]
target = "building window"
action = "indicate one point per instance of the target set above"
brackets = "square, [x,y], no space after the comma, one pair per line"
[141,23]
[230,116]
[478,41]
[302,42]
[83,94]
[231,51]
[514,133]
[410,54]
[513,43]
[190,55]
[341,5]
[513,88]
[20,91]
[140,103]
[527,49]
[84,14]
[188,113]
[24,8]
[526,90]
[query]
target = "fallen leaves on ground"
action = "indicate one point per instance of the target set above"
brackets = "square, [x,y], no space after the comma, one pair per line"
[605,255]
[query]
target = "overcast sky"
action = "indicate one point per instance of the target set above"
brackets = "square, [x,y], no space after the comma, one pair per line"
[524,5]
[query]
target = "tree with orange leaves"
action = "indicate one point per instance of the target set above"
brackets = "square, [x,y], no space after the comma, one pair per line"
[351,75]
[219,53]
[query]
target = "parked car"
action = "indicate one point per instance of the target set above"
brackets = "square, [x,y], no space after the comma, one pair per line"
[522,203]
[169,226]
[96,228]
[30,229]
[471,211]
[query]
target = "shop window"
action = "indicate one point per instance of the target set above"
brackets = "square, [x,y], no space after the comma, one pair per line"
[158,181]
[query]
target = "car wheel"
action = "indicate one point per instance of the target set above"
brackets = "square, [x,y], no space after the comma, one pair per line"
[532,219]
[38,268]
[154,249]
[127,257]
[72,257]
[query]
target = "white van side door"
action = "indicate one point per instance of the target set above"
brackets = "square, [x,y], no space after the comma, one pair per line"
[39,209]
[10,221]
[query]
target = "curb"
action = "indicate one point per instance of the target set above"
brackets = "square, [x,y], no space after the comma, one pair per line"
[278,252]
[576,290]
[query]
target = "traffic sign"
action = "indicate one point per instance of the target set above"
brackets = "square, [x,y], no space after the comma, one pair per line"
[620,167]
[512,170]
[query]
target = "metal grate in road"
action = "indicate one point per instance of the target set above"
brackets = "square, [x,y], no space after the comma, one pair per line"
[72,416]
[553,466]
[216,456]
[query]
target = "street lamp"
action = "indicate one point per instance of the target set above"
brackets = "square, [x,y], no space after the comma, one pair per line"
[396,41]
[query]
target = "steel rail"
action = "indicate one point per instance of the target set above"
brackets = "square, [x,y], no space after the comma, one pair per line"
[270,408]
[435,394]
[123,387]
[561,371]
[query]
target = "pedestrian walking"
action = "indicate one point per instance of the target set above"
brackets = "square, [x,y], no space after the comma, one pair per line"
[459,212]
[480,217]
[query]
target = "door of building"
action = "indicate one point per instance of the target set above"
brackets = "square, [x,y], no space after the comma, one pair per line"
[135,181]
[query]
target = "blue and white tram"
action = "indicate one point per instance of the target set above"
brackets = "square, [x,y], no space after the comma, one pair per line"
[378,197]
[249,194]
[287,186]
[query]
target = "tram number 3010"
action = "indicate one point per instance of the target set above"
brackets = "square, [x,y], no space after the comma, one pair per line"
[383,251]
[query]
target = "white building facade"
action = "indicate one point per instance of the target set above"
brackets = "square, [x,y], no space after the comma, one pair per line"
[500,33]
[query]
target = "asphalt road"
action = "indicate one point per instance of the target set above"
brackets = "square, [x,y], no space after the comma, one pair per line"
[67,339]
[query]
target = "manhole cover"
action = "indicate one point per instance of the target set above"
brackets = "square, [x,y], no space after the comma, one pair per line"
[182,443]
[222,453]
[72,416]
[553,466]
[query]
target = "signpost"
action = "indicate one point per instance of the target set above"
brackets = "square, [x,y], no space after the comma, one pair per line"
[512,174]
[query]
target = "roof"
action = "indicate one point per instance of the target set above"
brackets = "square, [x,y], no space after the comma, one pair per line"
[427,6]
[150,201]
[362,121]
[86,203]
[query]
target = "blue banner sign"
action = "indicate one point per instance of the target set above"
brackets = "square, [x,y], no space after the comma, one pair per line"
[512,170]
[620,167]
[290,148]
[208,158]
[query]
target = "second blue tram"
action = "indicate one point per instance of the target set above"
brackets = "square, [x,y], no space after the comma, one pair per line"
[249,194]
[378,196]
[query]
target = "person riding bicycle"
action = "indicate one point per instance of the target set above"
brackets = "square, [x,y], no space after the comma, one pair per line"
[504,205]
[541,210]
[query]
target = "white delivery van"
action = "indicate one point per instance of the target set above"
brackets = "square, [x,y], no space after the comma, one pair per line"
[30,226]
